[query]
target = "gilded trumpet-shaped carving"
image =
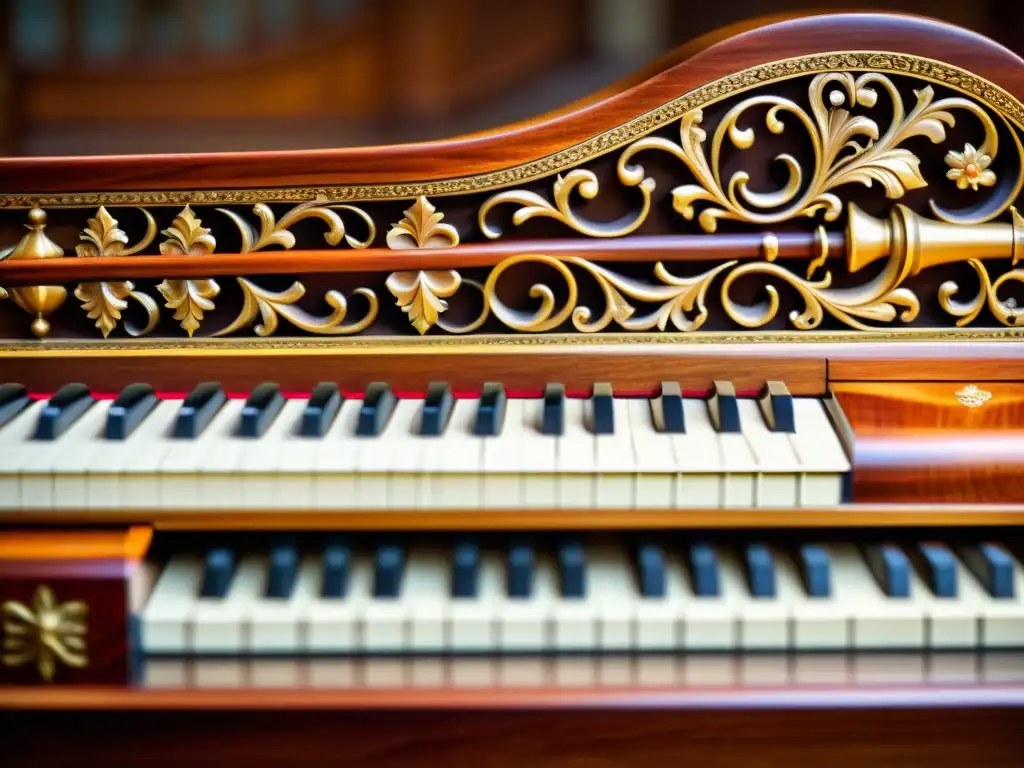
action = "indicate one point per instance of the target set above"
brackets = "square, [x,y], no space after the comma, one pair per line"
[104,301]
[421,227]
[44,633]
[421,294]
[270,305]
[188,298]
[533,205]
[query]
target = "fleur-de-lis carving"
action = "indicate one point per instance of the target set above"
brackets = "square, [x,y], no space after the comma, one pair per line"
[422,228]
[104,301]
[44,633]
[188,298]
[420,294]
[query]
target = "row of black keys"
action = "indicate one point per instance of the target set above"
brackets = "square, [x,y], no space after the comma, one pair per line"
[265,402]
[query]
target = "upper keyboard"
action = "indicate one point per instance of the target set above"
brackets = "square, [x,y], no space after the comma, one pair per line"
[379,451]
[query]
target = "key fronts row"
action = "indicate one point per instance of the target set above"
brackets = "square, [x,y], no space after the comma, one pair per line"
[891,566]
[265,402]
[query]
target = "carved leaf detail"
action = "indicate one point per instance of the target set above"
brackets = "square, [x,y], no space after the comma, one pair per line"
[897,170]
[420,294]
[188,298]
[422,228]
[104,302]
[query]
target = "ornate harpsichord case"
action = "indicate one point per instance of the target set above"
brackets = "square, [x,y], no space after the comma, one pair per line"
[820,211]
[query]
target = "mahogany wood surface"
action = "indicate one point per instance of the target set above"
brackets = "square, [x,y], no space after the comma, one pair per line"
[438,160]
[916,442]
[942,735]
[642,249]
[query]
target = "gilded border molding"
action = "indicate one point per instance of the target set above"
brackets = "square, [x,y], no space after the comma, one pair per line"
[930,70]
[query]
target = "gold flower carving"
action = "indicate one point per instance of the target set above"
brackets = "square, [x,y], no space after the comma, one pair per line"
[970,168]
[44,633]
[421,293]
[188,298]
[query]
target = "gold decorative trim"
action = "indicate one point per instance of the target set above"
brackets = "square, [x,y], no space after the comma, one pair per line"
[972,396]
[39,301]
[44,633]
[188,298]
[930,70]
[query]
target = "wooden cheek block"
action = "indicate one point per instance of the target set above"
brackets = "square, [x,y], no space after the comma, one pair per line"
[65,604]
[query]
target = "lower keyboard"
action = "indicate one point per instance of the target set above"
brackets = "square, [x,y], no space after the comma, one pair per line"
[332,596]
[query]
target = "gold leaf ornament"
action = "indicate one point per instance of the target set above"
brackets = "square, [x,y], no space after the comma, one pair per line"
[104,301]
[421,227]
[188,298]
[44,632]
[419,294]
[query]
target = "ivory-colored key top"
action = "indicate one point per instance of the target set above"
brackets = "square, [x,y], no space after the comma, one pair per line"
[537,459]
[167,618]
[822,459]
[502,469]
[778,478]
[14,437]
[474,620]
[575,459]
[454,461]
[385,462]
[72,454]
[426,601]
[525,624]
[220,458]
[336,624]
[709,621]
[763,621]
[615,461]
[264,485]
[180,467]
[277,625]
[700,482]
[335,461]
[222,625]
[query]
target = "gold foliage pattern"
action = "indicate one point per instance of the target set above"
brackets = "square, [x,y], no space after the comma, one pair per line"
[44,632]
[421,227]
[188,298]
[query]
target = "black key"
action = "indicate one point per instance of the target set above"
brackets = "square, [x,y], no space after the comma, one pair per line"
[650,563]
[816,570]
[553,419]
[465,569]
[572,568]
[437,409]
[378,405]
[260,410]
[387,578]
[725,412]
[891,568]
[337,560]
[777,407]
[490,415]
[64,409]
[604,413]
[127,412]
[938,568]
[704,571]
[760,571]
[520,571]
[13,400]
[321,410]
[667,409]
[218,572]
[198,410]
[283,570]
[993,566]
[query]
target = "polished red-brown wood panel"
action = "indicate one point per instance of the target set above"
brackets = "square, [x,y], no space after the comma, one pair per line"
[917,442]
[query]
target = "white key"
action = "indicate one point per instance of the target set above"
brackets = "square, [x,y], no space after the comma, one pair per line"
[952,622]
[503,483]
[167,618]
[537,459]
[264,485]
[389,459]
[426,599]
[34,461]
[656,459]
[659,621]
[220,458]
[454,461]
[710,623]
[820,452]
[700,482]
[277,625]
[14,437]
[1002,619]
[525,623]
[819,623]
[222,625]
[124,474]
[72,455]
[878,621]
[335,466]
[336,624]
[474,620]
[778,468]
[575,458]
[615,462]
[612,597]
[763,622]
[180,485]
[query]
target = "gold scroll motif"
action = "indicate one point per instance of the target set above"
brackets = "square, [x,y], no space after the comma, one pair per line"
[271,305]
[421,293]
[188,298]
[105,300]
[40,301]
[847,148]
[44,633]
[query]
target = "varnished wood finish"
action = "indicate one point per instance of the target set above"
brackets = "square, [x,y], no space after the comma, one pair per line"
[642,249]
[111,544]
[958,362]
[967,514]
[943,733]
[915,442]
[456,158]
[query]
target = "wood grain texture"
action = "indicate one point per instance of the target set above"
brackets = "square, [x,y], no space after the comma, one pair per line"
[945,735]
[917,442]
[438,160]
[75,545]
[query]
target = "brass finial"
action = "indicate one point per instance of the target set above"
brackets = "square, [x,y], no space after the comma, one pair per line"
[38,300]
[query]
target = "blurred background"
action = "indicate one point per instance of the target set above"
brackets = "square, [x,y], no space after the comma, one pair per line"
[127,76]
